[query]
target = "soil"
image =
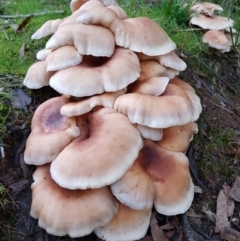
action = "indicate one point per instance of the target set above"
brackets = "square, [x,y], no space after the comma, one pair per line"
[219,94]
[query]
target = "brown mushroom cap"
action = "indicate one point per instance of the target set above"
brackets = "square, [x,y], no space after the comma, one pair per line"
[139,34]
[171,177]
[127,224]
[177,138]
[34,80]
[103,158]
[135,189]
[155,112]
[106,100]
[217,40]
[51,132]
[74,212]
[62,58]
[103,73]
[212,23]
[47,28]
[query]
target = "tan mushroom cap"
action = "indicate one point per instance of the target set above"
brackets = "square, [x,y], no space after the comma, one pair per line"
[212,23]
[171,73]
[193,99]
[119,11]
[103,158]
[139,34]
[135,189]
[172,180]
[127,224]
[154,134]
[76,4]
[34,80]
[155,112]
[206,8]
[106,100]
[104,74]
[177,138]
[47,28]
[51,132]
[170,60]
[80,36]
[182,84]
[43,53]
[217,40]
[62,58]
[74,212]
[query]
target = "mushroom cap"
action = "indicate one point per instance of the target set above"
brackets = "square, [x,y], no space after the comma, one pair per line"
[80,36]
[62,58]
[51,132]
[170,60]
[103,157]
[212,23]
[135,189]
[47,28]
[74,212]
[181,83]
[103,73]
[76,4]
[171,73]
[106,100]
[127,224]
[177,138]
[43,53]
[206,8]
[154,134]
[171,177]
[155,112]
[34,80]
[139,34]
[119,11]
[217,40]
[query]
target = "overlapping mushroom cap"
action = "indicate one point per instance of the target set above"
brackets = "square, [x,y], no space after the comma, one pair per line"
[127,123]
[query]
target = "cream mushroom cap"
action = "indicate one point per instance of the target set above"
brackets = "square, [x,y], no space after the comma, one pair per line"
[171,177]
[103,73]
[80,36]
[103,157]
[47,28]
[139,34]
[135,189]
[51,132]
[217,40]
[154,134]
[43,53]
[155,112]
[212,23]
[34,80]
[106,100]
[74,212]
[127,224]
[62,58]
[206,8]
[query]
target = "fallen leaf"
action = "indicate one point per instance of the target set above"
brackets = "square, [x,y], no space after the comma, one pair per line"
[23,24]
[230,234]
[221,215]
[197,189]
[20,100]
[22,51]
[14,26]
[157,233]
[235,190]
[18,186]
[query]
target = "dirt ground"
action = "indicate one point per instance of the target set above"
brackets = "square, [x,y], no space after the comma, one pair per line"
[219,94]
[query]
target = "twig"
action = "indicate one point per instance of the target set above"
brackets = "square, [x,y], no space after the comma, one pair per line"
[31,14]
[224,108]
[189,29]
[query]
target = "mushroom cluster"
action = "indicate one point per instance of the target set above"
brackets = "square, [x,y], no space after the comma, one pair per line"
[113,145]
[219,27]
